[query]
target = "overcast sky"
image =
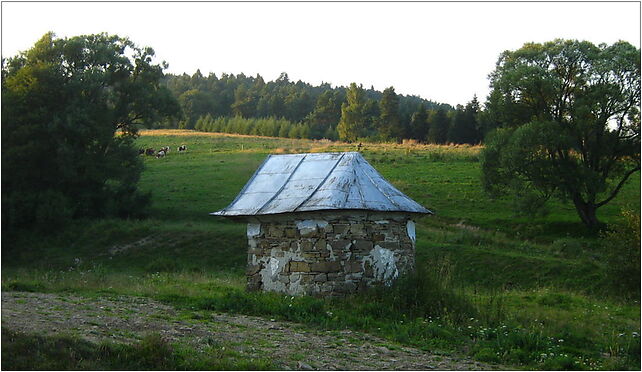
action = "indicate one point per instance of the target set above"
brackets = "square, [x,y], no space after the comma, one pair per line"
[439,51]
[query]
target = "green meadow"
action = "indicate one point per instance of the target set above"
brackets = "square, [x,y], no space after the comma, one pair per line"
[521,291]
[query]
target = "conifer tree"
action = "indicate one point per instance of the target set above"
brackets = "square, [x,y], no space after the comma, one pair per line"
[389,126]
[419,124]
[353,119]
[438,124]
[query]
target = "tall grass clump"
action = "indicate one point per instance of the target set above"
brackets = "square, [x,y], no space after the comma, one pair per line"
[427,292]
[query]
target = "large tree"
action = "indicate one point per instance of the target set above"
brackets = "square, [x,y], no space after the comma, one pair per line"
[70,110]
[569,123]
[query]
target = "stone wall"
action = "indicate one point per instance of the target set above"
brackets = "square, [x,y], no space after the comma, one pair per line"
[323,254]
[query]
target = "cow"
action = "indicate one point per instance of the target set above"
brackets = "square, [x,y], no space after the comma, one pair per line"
[182,148]
[141,151]
[160,154]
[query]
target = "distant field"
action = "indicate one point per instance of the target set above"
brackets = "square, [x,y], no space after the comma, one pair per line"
[540,278]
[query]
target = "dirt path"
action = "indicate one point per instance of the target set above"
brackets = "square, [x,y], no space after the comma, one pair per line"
[289,345]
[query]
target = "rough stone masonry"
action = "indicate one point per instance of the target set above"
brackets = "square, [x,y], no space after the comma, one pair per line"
[329,253]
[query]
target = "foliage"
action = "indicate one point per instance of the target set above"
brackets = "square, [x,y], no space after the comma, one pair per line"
[270,127]
[419,124]
[353,122]
[62,103]
[570,123]
[389,125]
[327,113]
[622,245]
[317,107]
[465,126]
[374,116]
[438,123]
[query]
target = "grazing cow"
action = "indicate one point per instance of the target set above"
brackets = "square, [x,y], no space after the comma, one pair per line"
[182,148]
[150,152]
[160,154]
[166,149]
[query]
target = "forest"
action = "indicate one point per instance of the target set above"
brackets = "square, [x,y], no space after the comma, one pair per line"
[282,108]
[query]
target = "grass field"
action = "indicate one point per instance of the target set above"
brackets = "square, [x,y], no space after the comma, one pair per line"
[528,292]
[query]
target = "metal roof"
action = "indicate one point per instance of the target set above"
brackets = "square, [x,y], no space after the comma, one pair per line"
[318,182]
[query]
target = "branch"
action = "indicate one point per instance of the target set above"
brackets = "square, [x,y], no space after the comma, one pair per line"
[618,187]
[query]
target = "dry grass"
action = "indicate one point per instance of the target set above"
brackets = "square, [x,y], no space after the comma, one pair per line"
[323,144]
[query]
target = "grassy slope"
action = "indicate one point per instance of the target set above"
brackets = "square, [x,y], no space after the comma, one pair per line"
[539,278]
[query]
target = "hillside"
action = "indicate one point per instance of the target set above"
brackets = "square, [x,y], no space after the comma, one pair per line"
[530,292]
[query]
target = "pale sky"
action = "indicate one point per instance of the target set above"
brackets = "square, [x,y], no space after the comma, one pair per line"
[439,51]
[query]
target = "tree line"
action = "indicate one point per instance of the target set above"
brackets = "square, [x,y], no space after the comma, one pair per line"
[208,103]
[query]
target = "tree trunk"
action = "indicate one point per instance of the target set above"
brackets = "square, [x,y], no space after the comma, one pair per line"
[587,212]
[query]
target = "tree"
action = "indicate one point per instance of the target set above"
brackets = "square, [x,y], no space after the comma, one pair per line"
[438,123]
[326,114]
[570,123]
[244,102]
[353,118]
[70,111]
[194,104]
[389,126]
[464,127]
[419,124]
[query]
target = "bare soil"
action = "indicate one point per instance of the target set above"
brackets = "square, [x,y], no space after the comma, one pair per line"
[288,345]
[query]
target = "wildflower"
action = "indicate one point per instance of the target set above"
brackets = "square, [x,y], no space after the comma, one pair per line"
[560,340]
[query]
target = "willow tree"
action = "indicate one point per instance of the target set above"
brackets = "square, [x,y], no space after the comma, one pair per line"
[569,123]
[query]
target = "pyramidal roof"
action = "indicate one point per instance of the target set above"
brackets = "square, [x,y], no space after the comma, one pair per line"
[318,182]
